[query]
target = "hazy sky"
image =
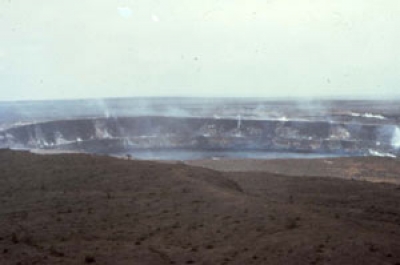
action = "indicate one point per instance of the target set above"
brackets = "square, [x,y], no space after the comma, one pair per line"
[91,48]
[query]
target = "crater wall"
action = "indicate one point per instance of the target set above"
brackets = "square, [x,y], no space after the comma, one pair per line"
[110,135]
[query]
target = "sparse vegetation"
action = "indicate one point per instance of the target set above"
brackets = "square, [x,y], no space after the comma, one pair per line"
[152,219]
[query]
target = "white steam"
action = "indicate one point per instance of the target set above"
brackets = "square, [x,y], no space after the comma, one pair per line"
[380,154]
[396,138]
[368,115]
[239,122]
[283,118]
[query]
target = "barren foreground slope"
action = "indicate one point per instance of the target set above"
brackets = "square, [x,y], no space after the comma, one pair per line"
[81,209]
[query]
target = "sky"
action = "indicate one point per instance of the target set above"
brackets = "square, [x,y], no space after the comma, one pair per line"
[201,48]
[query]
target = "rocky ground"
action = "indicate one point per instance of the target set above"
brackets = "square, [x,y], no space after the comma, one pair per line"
[82,209]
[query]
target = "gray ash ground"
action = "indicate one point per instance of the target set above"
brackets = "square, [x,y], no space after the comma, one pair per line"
[83,209]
